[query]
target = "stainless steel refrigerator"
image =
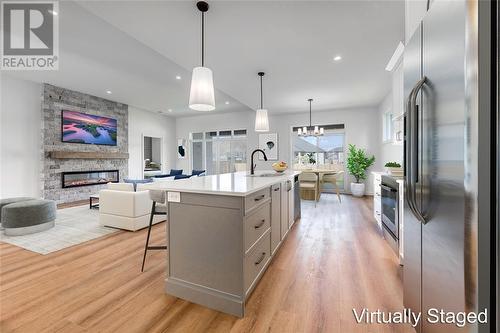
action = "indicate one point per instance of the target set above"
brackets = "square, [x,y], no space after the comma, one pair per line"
[447,222]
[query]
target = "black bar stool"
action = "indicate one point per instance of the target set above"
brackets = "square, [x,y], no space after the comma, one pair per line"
[159,207]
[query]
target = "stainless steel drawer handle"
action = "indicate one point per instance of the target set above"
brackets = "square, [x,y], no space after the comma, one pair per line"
[260,224]
[259,197]
[262,256]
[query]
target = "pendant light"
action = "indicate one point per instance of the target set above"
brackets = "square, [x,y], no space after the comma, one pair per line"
[311,131]
[202,96]
[261,119]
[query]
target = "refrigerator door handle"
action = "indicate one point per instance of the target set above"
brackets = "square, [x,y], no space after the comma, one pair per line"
[414,141]
[409,156]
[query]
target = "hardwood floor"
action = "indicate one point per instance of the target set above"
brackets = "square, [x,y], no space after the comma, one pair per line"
[334,259]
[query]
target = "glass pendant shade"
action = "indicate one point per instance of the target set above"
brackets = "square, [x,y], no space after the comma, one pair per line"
[316,130]
[321,131]
[304,129]
[261,121]
[202,96]
[299,131]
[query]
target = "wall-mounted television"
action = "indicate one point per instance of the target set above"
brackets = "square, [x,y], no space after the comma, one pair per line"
[78,127]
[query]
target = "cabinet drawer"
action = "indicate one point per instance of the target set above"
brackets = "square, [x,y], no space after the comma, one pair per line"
[256,260]
[256,199]
[256,224]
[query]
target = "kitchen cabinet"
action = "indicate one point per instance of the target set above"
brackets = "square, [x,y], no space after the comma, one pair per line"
[284,209]
[291,202]
[275,217]
[222,238]
[377,205]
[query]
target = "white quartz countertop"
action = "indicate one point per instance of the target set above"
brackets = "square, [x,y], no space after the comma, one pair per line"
[235,184]
[399,179]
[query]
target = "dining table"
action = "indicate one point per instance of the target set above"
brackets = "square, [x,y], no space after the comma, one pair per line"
[320,173]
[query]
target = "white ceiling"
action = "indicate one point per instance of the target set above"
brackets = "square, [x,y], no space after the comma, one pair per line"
[136,48]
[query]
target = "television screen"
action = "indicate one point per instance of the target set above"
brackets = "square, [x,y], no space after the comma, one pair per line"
[80,127]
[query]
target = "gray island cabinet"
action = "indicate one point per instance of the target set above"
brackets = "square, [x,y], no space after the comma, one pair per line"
[222,233]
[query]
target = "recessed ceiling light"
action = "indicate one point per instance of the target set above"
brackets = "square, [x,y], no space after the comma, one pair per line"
[227,103]
[169,110]
[109,92]
[178,77]
[337,58]
[53,12]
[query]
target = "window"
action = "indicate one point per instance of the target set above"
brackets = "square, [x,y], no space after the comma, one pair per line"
[219,151]
[320,152]
[387,127]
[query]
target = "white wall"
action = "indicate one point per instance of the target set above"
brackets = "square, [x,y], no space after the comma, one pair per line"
[361,126]
[20,134]
[389,152]
[142,122]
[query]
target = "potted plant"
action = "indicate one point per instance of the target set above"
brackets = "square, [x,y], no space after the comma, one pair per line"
[357,163]
[394,168]
[311,158]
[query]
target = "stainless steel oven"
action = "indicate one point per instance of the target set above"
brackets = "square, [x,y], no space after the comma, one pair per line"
[390,209]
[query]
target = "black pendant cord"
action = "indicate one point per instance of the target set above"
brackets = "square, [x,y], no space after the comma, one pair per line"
[261,96]
[261,74]
[310,113]
[202,7]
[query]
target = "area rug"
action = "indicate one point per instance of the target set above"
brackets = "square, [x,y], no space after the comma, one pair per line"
[73,226]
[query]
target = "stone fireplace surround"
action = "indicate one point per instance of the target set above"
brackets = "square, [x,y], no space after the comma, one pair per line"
[56,99]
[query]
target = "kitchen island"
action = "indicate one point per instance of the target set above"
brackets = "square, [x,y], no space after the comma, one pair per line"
[222,232]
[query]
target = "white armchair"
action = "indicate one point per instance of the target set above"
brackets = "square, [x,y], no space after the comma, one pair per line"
[124,209]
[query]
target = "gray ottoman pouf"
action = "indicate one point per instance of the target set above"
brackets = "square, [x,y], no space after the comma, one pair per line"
[4,202]
[27,217]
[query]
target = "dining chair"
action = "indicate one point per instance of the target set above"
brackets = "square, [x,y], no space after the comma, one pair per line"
[308,181]
[332,179]
[159,207]
[240,167]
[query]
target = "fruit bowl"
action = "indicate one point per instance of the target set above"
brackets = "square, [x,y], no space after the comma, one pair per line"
[280,166]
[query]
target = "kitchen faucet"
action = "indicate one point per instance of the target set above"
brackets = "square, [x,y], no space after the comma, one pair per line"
[252,167]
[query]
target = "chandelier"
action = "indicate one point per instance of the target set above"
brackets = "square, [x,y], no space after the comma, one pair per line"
[311,130]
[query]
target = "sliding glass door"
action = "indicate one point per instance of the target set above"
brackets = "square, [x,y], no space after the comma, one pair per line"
[219,151]
[321,152]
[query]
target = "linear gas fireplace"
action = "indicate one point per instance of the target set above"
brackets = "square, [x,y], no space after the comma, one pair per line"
[87,178]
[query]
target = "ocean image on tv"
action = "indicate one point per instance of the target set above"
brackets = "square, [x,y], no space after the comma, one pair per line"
[86,128]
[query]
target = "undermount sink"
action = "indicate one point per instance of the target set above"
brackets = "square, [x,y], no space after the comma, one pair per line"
[269,174]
